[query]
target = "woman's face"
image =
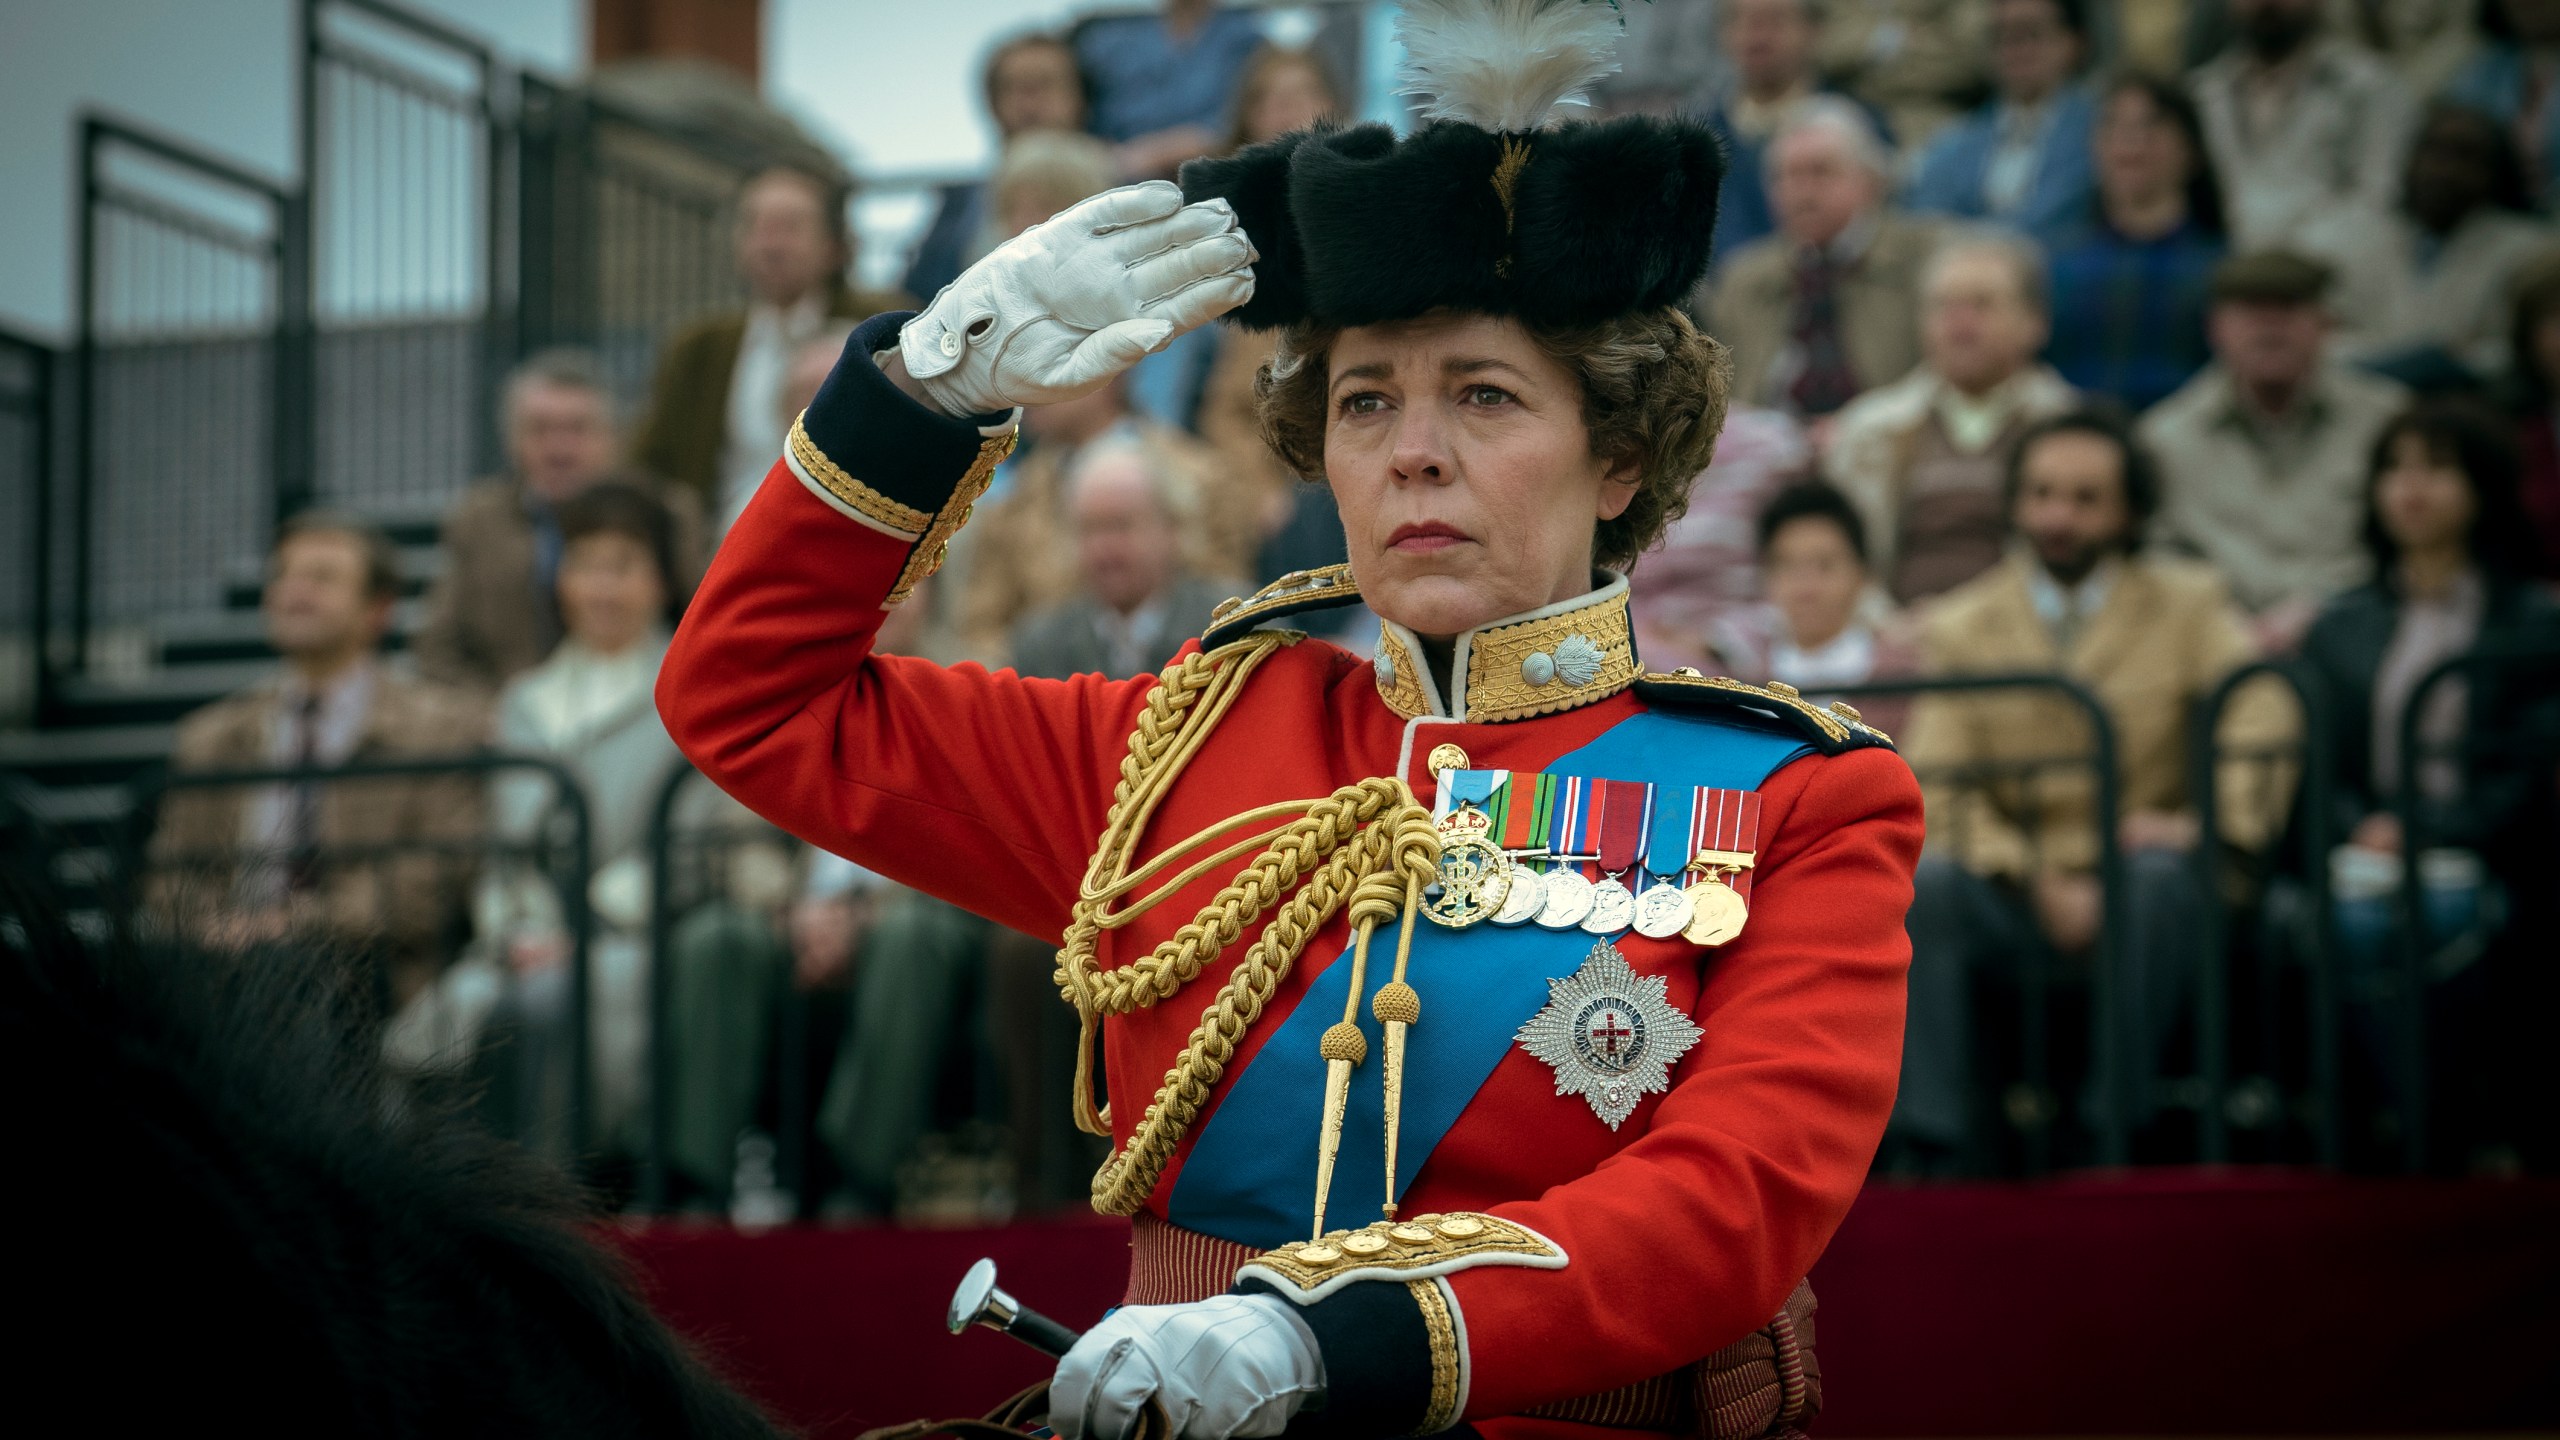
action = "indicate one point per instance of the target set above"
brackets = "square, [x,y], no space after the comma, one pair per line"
[1458,456]
[2424,502]
[1814,578]
[2141,153]
[1292,97]
[611,595]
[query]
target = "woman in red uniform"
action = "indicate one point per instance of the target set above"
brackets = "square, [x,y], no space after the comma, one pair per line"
[1494,1033]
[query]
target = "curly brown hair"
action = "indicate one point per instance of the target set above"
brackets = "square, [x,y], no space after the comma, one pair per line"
[1653,388]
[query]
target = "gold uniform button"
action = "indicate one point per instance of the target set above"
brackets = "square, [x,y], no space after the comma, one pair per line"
[1460,1227]
[1317,1254]
[1445,758]
[1364,1243]
[1782,689]
[1843,707]
[1410,1235]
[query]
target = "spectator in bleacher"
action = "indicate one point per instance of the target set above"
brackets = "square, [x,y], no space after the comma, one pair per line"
[493,610]
[1770,44]
[1024,559]
[1693,595]
[2131,281]
[2158,37]
[1040,173]
[1031,83]
[1163,82]
[2302,122]
[2511,79]
[2023,158]
[241,865]
[1920,62]
[2425,293]
[2447,536]
[711,424]
[1925,459]
[1827,306]
[2262,456]
[1285,90]
[1812,631]
[2428,42]
[2533,395]
[590,707]
[2012,807]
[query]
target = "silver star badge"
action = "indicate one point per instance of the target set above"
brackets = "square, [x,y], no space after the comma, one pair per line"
[1611,1035]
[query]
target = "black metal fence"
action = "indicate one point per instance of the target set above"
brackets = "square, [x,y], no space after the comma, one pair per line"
[27,400]
[191,294]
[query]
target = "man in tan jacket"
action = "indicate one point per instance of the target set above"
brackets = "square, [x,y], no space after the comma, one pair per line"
[2014,862]
[492,613]
[356,864]
[1828,306]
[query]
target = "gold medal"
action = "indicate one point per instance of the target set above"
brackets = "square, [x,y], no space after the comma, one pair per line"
[1717,913]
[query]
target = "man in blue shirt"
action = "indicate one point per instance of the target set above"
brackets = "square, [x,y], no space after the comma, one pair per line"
[2022,160]
[1163,84]
[1771,46]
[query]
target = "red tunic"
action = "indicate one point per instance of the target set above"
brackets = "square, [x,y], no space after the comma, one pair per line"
[1685,1228]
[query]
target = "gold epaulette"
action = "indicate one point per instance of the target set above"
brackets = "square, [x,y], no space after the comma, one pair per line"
[1416,1249]
[1294,593]
[1833,729]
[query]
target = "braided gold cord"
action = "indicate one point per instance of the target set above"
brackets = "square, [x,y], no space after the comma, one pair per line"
[1319,859]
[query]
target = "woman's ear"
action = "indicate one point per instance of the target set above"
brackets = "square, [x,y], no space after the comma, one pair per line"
[1618,485]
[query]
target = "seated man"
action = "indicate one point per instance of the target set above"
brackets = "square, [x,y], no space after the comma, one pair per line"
[2023,158]
[493,613]
[1137,600]
[2263,454]
[1824,308]
[2014,871]
[357,863]
[1924,458]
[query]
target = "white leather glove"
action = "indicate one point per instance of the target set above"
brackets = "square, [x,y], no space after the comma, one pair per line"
[1062,307]
[1230,1365]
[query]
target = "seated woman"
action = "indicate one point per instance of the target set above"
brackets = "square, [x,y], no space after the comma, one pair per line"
[2447,536]
[1811,633]
[1627,947]
[2130,284]
[589,707]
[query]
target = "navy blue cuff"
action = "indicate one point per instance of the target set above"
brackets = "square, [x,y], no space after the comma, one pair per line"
[1377,1360]
[885,438]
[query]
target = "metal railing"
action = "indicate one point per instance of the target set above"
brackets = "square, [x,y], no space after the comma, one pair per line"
[27,399]
[560,846]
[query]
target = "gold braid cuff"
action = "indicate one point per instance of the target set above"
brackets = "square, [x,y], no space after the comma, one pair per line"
[935,543]
[1447,1363]
[1316,857]
[890,514]
[1422,1248]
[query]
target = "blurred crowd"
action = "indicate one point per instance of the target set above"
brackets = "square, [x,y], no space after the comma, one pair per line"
[2131,344]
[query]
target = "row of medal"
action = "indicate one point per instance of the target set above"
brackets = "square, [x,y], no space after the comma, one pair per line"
[1603,856]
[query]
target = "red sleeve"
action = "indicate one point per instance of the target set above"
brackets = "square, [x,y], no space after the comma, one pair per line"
[1694,1235]
[987,790]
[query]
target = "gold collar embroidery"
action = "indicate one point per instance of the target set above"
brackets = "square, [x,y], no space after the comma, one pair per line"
[1557,657]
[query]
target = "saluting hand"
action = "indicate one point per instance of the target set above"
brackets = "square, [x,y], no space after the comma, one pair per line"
[1062,307]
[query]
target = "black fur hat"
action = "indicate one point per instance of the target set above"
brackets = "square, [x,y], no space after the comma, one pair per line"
[1486,207]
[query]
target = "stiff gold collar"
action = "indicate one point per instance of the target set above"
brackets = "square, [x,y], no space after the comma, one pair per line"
[1556,657]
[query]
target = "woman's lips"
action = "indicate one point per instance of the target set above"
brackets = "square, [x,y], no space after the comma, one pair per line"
[1420,539]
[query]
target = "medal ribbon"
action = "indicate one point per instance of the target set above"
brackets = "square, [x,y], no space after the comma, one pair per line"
[1624,806]
[1568,828]
[1727,820]
[1519,823]
[1470,787]
[1669,840]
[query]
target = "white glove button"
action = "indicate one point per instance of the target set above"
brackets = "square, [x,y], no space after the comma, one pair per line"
[950,343]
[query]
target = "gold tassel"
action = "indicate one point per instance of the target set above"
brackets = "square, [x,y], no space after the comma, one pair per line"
[1343,1048]
[1397,1008]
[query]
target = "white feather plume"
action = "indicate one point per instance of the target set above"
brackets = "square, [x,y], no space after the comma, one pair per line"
[1504,64]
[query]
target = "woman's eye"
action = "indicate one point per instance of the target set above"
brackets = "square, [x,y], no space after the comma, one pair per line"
[1363,402]
[1487,395]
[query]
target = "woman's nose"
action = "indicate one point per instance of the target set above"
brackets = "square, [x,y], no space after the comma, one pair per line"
[1421,452]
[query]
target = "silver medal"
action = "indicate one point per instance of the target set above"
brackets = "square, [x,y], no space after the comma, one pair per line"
[1613,907]
[1526,897]
[1611,1035]
[1567,900]
[1662,910]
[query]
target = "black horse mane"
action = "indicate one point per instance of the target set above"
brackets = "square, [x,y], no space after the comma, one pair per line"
[221,1212]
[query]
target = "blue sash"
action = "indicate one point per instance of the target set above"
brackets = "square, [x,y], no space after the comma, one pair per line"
[1251,1174]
